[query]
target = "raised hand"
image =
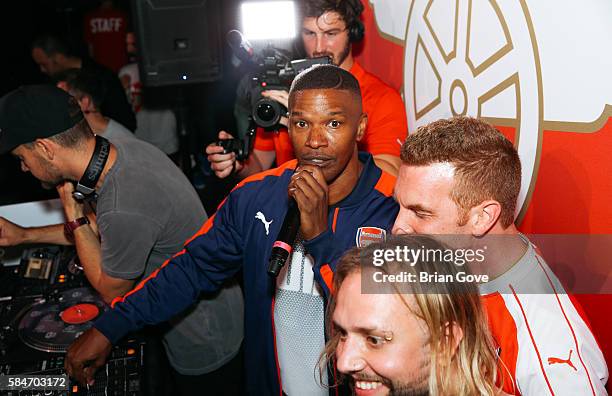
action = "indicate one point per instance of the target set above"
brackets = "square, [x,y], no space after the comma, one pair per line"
[309,189]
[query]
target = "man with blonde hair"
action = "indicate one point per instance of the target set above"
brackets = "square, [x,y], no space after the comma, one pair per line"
[411,337]
[462,177]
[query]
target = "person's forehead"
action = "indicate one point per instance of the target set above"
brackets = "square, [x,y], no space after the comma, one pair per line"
[435,174]
[327,20]
[19,150]
[383,311]
[427,186]
[341,98]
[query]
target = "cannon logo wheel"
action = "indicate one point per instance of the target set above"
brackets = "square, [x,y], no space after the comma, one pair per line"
[477,58]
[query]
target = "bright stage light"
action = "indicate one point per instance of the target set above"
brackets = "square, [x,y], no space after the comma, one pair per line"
[268,20]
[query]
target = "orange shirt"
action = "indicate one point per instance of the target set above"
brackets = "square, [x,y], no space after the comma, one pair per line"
[386,131]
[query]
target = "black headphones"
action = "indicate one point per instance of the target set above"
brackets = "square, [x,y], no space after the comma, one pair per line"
[86,187]
[356,29]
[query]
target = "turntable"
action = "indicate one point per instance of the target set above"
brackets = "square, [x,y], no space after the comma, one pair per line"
[44,306]
[51,326]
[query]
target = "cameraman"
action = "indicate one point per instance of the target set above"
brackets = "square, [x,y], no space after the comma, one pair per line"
[329,28]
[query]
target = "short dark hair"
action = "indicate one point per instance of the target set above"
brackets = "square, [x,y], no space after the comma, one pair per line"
[74,137]
[325,77]
[83,82]
[52,44]
[487,165]
[349,10]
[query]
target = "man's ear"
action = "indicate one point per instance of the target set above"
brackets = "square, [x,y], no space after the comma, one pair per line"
[46,148]
[363,123]
[453,334]
[86,103]
[484,216]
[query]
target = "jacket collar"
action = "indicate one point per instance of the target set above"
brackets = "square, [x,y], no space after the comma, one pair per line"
[366,183]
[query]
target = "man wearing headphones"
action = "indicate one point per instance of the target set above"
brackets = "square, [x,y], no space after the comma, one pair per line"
[329,28]
[144,208]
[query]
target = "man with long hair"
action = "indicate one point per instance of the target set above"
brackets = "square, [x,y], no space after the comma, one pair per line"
[415,337]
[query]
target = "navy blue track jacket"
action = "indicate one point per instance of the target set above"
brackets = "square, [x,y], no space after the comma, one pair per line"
[234,238]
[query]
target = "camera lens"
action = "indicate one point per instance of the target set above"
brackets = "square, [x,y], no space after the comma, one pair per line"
[266,112]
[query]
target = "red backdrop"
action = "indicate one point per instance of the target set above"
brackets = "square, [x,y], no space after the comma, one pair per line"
[573,188]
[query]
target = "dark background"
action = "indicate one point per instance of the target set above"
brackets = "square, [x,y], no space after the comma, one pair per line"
[209,105]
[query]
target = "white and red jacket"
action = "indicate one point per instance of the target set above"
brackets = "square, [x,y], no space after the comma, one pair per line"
[542,335]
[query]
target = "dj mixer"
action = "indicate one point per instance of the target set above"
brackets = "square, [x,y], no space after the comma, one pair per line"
[46,304]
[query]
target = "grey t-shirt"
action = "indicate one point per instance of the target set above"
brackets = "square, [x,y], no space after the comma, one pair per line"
[114,131]
[146,210]
[158,127]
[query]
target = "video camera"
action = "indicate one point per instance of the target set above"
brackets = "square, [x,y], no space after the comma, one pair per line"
[273,70]
[277,72]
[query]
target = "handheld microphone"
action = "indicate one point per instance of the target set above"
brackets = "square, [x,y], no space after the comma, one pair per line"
[285,239]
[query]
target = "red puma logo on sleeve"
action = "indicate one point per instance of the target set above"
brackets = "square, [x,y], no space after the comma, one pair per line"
[568,361]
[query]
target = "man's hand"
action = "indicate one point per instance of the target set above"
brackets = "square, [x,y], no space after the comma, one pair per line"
[281,97]
[10,233]
[309,189]
[223,164]
[86,355]
[72,208]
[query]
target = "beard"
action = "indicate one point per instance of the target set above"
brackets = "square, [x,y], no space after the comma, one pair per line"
[396,388]
[418,386]
[52,177]
[337,61]
[403,390]
[415,385]
[48,185]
